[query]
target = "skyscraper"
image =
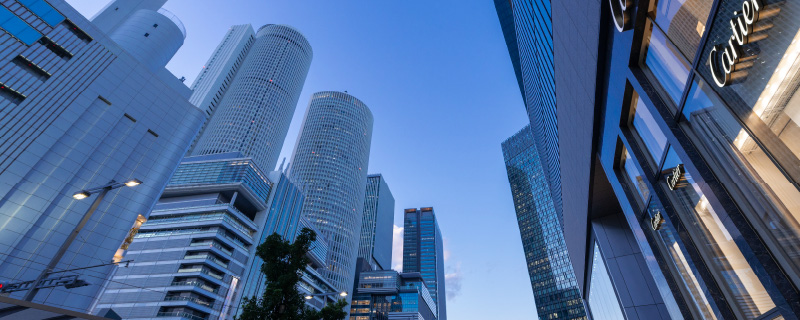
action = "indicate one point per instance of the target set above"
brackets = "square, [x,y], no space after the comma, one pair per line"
[388,294]
[254,114]
[423,252]
[532,37]
[375,245]
[79,110]
[330,159]
[552,279]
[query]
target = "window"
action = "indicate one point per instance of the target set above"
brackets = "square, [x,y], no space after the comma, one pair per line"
[665,63]
[635,178]
[603,302]
[772,202]
[644,124]
[716,241]
[18,28]
[684,22]
[43,10]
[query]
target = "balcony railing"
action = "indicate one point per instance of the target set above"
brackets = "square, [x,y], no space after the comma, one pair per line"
[196,283]
[196,300]
[207,257]
[181,314]
[211,243]
[199,217]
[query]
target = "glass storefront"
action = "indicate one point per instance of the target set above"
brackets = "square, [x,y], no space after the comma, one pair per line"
[717,242]
[644,124]
[632,173]
[684,22]
[665,63]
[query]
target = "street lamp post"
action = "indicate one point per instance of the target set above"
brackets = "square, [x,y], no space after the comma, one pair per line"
[325,296]
[83,194]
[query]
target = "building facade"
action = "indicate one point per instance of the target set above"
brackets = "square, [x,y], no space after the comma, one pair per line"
[423,252]
[387,294]
[79,110]
[377,224]
[683,171]
[254,113]
[555,289]
[330,159]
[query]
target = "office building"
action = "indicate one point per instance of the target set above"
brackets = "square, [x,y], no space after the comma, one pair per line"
[677,128]
[555,289]
[254,113]
[528,30]
[377,224]
[423,252]
[80,108]
[387,294]
[330,159]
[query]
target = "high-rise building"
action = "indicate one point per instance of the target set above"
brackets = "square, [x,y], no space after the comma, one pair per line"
[387,294]
[377,224]
[678,140]
[330,159]
[254,114]
[79,110]
[532,38]
[555,289]
[423,252]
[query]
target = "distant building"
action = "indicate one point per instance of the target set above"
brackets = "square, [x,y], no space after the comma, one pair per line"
[423,252]
[377,224]
[387,294]
[555,289]
[82,105]
[330,159]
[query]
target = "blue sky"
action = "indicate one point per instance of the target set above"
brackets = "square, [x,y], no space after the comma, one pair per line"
[439,82]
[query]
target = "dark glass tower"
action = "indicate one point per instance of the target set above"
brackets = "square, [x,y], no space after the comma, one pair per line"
[375,246]
[554,286]
[532,37]
[423,252]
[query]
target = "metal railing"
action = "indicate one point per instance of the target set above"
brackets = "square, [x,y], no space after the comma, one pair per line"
[181,314]
[196,300]
[196,283]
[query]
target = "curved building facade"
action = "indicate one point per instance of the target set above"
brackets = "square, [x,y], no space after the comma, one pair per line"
[254,115]
[330,160]
[153,37]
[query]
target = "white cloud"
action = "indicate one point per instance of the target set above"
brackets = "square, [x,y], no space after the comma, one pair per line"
[452,281]
[397,248]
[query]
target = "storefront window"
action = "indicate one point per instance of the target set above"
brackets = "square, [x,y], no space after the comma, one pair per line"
[646,127]
[746,170]
[603,301]
[684,22]
[707,225]
[665,63]
[673,249]
[634,175]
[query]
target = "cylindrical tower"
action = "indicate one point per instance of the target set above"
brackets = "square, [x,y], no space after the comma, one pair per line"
[256,110]
[152,37]
[330,160]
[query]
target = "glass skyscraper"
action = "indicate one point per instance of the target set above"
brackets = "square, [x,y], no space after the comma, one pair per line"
[81,107]
[423,252]
[375,245]
[552,279]
[389,295]
[330,160]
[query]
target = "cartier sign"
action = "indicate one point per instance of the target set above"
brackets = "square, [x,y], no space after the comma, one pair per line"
[621,12]
[726,58]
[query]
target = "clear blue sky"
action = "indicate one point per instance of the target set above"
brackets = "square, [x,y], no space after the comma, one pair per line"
[439,82]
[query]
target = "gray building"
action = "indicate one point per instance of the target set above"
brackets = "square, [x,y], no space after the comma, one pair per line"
[81,108]
[330,159]
[375,245]
[423,252]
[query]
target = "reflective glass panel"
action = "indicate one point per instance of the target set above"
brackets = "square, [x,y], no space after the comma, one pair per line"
[716,241]
[665,63]
[672,247]
[634,175]
[645,125]
[684,21]
[745,170]
[603,301]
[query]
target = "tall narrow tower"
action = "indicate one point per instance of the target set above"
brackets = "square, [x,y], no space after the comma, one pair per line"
[375,245]
[423,252]
[255,112]
[330,160]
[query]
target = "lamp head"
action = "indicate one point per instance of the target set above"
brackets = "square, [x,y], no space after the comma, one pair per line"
[308,297]
[133,182]
[83,194]
[343,294]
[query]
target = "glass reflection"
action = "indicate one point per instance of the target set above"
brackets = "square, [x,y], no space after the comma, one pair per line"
[634,175]
[666,65]
[684,22]
[703,303]
[746,293]
[603,301]
[776,202]
[646,127]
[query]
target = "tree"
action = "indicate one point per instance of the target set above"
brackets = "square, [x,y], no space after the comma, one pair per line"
[284,263]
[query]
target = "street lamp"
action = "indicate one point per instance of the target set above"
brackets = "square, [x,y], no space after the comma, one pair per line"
[325,295]
[80,195]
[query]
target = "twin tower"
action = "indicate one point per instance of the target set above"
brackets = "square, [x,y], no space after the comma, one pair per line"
[249,89]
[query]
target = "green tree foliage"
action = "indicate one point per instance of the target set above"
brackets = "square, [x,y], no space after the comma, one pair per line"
[284,262]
